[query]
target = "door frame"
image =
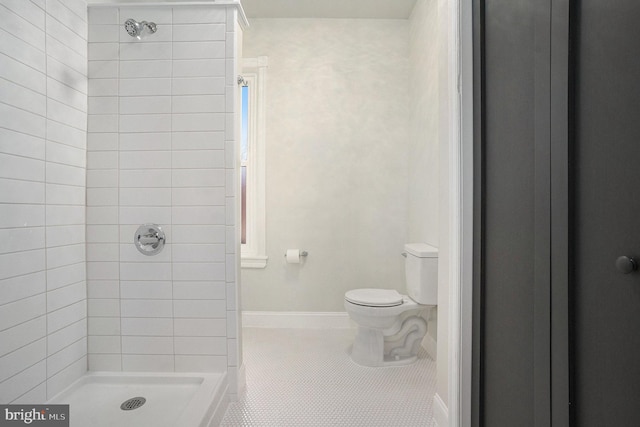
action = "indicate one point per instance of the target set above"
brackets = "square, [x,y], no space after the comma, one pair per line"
[552,188]
[461,182]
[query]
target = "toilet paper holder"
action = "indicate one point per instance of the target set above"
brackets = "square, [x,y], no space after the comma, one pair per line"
[302,253]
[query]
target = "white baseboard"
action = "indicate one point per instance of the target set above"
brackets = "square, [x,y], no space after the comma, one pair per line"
[440,412]
[296,320]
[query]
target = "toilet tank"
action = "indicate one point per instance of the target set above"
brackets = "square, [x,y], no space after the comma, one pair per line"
[421,270]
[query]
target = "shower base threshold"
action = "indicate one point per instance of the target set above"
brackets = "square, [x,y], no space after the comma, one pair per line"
[171,399]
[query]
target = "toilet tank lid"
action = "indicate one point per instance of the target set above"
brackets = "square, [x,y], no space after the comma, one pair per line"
[421,250]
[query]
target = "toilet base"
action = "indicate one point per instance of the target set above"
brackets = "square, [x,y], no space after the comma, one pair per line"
[369,345]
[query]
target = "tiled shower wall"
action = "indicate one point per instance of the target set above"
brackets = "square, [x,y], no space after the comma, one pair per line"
[161,150]
[43,119]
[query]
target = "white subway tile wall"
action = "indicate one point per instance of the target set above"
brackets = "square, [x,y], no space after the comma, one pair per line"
[43,125]
[158,150]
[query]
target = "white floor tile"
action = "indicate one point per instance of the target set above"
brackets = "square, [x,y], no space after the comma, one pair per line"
[300,378]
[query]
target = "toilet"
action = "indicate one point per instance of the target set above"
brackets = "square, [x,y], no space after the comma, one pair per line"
[391,325]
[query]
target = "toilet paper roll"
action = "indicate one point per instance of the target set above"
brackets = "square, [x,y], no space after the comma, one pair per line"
[293,256]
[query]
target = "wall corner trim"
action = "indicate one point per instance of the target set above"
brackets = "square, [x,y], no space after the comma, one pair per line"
[242,380]
[440,412]
[431,347]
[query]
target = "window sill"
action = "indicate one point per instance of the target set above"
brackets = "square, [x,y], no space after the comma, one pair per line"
[255,261]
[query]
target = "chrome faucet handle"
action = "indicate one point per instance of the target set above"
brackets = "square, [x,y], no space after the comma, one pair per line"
[149,239]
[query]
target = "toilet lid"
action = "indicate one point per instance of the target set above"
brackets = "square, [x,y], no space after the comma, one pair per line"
[374,297]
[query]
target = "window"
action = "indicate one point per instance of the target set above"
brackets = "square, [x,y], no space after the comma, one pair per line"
[252,164]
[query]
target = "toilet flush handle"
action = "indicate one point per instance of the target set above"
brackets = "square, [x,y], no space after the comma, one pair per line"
[626,264]
[404,254]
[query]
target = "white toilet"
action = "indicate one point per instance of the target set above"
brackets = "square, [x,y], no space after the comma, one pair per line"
[391,325]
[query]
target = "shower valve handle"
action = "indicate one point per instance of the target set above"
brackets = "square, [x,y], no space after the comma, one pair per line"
[149,239]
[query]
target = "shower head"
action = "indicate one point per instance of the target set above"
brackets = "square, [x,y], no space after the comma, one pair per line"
[136,29]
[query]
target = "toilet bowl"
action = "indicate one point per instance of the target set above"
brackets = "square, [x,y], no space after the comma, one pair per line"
[391,325]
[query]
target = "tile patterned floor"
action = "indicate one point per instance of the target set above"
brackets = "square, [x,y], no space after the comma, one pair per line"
[302,378]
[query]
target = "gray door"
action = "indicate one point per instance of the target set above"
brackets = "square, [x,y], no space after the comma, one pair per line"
[606,302]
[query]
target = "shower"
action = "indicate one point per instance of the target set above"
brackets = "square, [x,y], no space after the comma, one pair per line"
[136,29]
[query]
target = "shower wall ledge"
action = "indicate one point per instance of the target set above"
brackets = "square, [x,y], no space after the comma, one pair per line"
[242,17]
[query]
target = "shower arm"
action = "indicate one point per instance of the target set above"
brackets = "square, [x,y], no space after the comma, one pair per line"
[150,25]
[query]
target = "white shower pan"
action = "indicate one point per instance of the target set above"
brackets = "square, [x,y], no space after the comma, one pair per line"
[185,400]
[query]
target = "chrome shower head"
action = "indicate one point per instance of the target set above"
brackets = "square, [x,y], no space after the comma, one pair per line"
[133,27]
[136,29]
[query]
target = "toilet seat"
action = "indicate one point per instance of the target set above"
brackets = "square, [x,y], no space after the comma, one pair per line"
[374,297]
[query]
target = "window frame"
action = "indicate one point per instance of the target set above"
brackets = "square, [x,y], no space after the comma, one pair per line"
[254,251]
